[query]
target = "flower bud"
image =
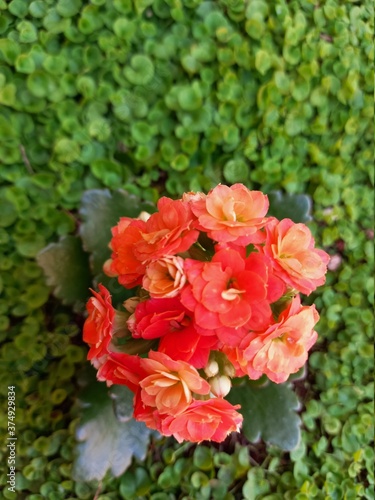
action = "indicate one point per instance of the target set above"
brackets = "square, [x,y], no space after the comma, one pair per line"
[144,216]
[131,322]
[131,304]
[220,385]
[212,368]
[229,369]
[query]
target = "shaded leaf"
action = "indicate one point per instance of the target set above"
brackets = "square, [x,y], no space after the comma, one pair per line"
[100,211]
[122,401]
[104,442]
[67,271]
[269,413]
[296,207]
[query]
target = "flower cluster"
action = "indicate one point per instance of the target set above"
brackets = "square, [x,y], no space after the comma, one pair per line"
[218,297]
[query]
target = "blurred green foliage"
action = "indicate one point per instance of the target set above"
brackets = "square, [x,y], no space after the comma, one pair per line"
[160,97]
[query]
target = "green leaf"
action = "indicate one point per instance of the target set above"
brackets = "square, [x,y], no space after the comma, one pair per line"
[66,268]
[25,64]
[190,98]
[135,484]
[105,443]
[236,170]
[296,207]
[108,171]
[180,163]
[140,71]
[269,413]
[27,32]
[68,8]
[262,61]
[100,211]
[8,212]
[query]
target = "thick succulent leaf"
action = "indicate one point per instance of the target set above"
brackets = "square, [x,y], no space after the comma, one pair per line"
[296,207]
[104,442]
[100,211]
[269,412]
[67,270]
[122,402]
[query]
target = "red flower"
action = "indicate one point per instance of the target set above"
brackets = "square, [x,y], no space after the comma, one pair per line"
[188,345]
[98,327]
[228,295]
[122,369]
[212,419]
[154,318]
[169,320]
[233,213]
[291,249]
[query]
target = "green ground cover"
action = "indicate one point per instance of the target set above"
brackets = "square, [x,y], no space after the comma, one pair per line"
[160,97]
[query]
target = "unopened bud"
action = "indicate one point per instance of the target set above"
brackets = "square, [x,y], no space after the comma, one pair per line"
[119,327]
[144,216]
[212,368]
[131,323]
[131,304]
[229,369]
[220,385]
[107,268]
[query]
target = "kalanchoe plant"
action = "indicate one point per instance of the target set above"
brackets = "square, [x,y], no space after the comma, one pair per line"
[217,298]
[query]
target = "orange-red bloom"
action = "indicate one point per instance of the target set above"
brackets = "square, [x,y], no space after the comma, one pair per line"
[222,293]
[122,369]
[187,344]
[228,295]
[282,349]
[170,384]
[155,318]
[98,327]
[169,231]
[169,320]
[123,262]
[233,213]
[291,249]
[165,277]
[136,243]
[212,419]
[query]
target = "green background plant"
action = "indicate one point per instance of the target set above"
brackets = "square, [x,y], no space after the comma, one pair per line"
[160,97]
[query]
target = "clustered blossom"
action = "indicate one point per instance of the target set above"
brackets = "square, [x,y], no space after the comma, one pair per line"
[218,297]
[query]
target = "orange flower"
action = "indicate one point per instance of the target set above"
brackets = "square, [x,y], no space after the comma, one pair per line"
[124,263]
[231,214]
[294,258]
[165,277]
[135,243]
[212,419]
[169,231]
[170,384]
[282,348]
[98,327]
